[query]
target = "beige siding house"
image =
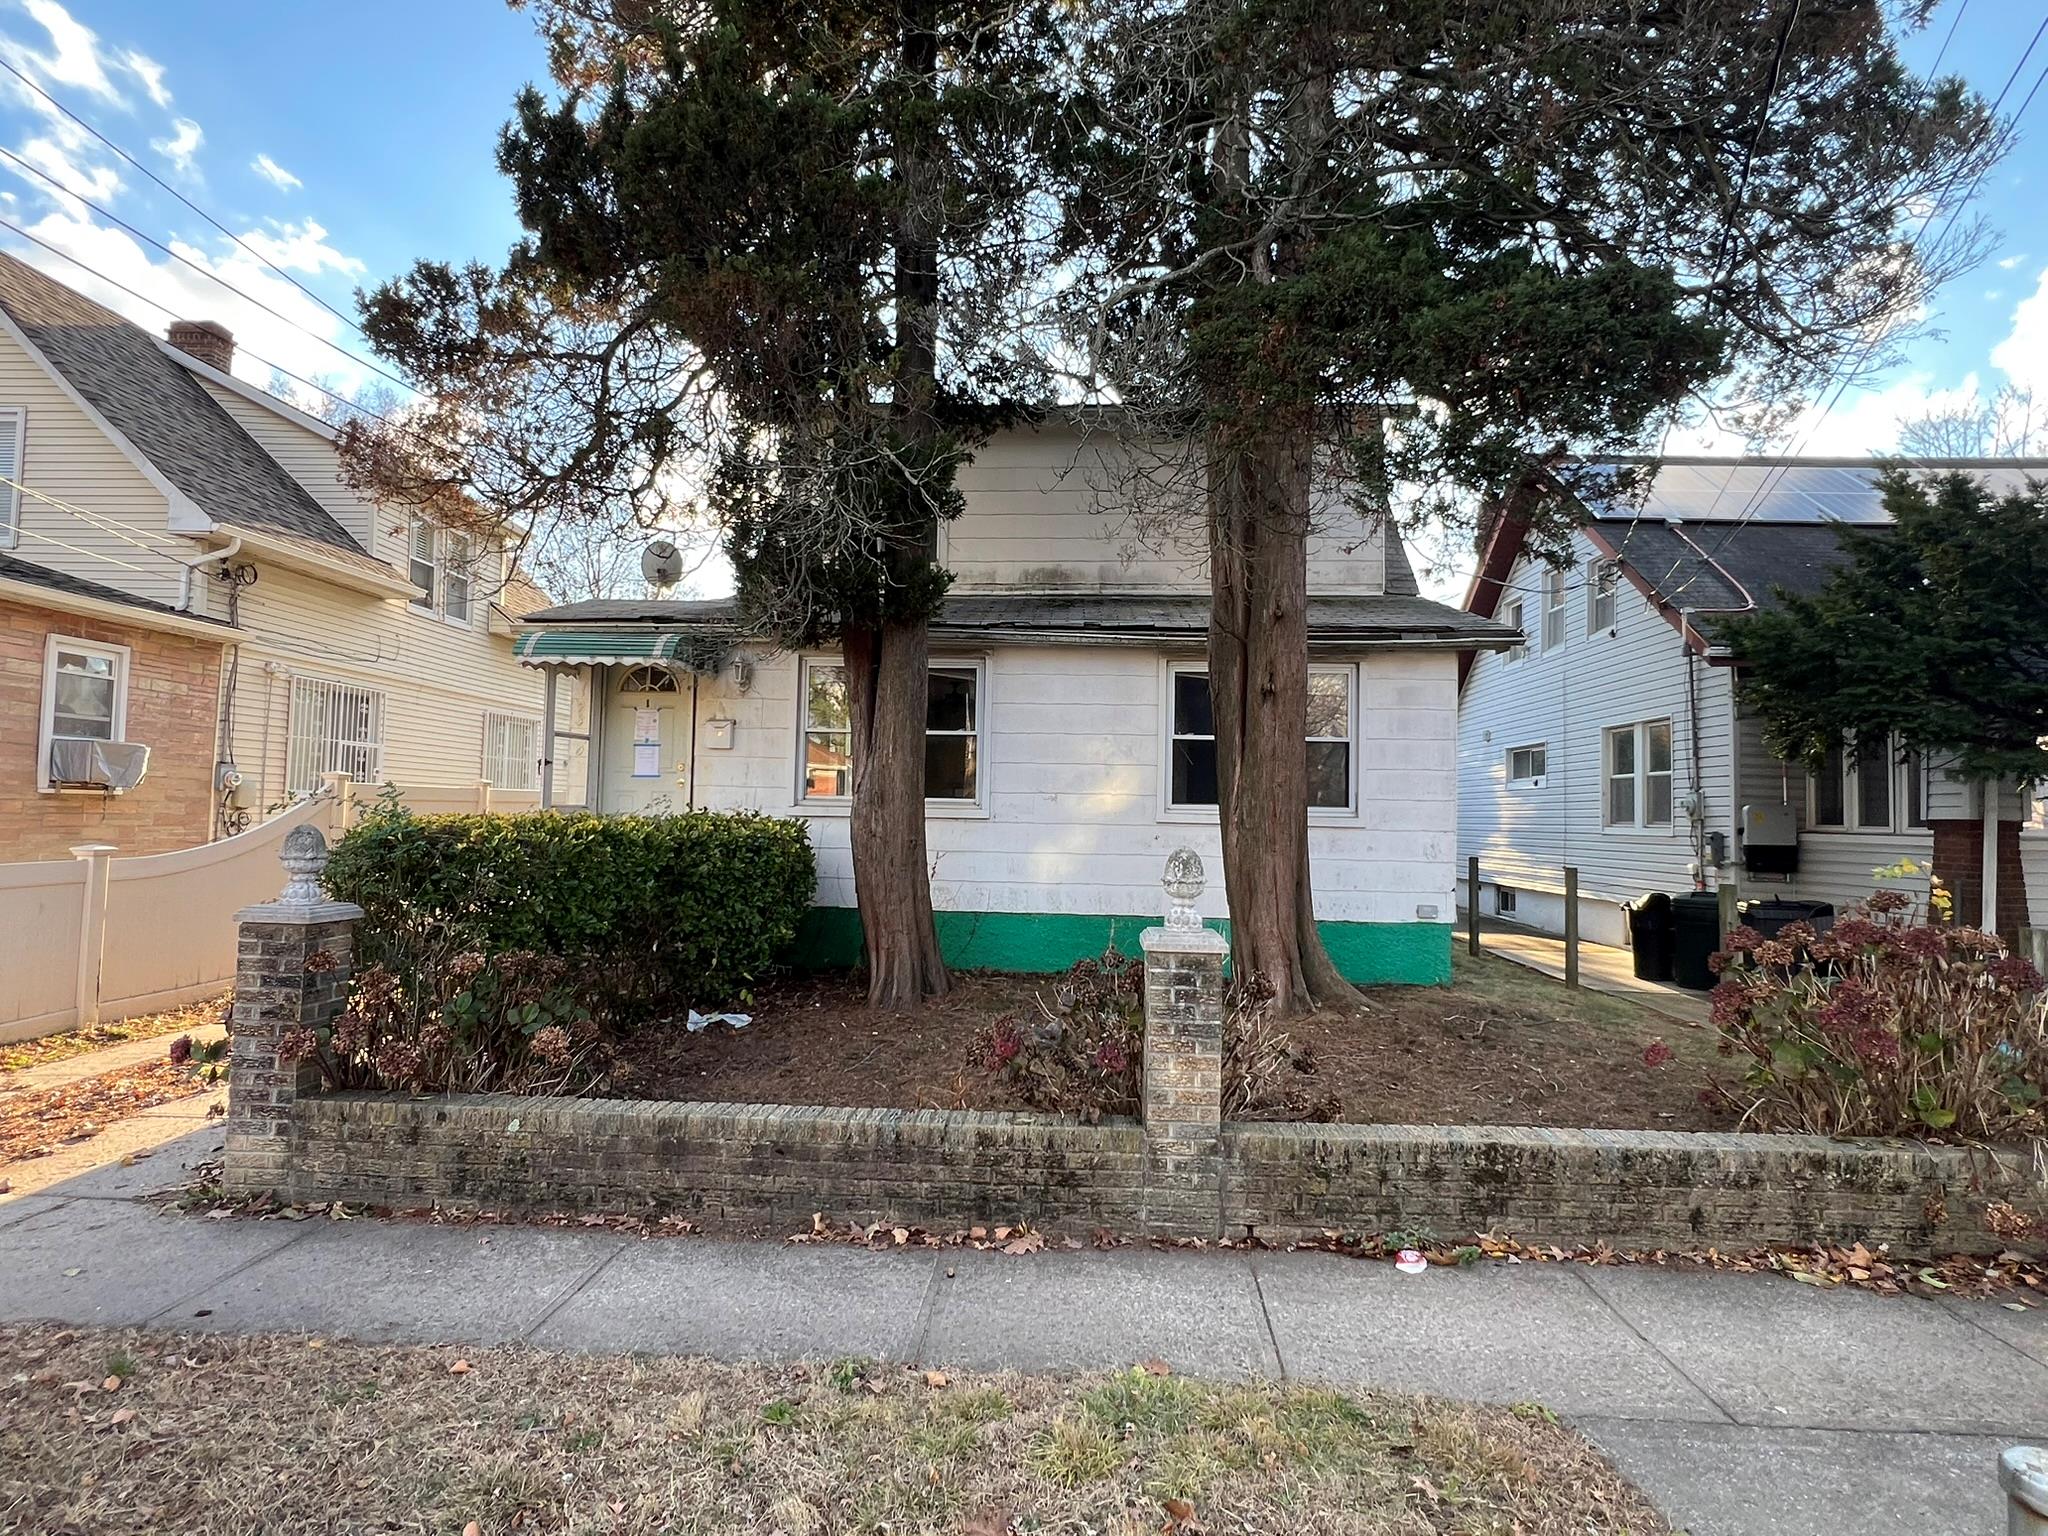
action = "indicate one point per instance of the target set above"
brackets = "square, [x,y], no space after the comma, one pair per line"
[192,517]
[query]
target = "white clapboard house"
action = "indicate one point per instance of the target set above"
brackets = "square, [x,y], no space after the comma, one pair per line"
[1612,739]
[1069,747]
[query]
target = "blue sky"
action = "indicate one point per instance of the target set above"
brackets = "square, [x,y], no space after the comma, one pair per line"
[341,145]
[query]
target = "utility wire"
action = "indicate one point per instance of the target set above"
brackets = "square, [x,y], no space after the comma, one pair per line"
[205,272]
[163,308]
[119,530]
[181,197]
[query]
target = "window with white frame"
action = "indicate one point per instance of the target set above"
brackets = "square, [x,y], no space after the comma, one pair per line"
[444,565]
[85,695]
[334,728]
[1638,775]
[1601,579]
[420,565]
[1512,617]
[13,428]
[1191,738]
[1553,608]
[512,751]
[954,710]
[1883,789]
[1528,767]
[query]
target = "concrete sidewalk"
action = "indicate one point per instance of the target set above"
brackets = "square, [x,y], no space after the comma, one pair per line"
[1602,968]
[1744,1405]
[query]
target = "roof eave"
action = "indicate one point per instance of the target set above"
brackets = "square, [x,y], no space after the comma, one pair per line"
[36,595]
[341,569]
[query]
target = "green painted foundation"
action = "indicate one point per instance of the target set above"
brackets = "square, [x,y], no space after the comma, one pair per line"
[1371,954]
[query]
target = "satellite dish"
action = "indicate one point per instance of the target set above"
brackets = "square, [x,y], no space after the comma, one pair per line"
[662,564]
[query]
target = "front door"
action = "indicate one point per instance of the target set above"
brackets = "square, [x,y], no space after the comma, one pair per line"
[647,742]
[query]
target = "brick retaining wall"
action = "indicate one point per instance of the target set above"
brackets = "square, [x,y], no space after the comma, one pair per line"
[756,1166]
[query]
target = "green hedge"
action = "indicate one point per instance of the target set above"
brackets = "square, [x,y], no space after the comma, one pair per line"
[672,911]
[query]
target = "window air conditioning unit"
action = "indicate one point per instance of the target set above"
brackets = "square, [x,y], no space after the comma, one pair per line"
[113,766]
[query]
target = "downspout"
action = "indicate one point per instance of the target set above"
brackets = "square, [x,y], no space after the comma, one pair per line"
[1989,920]
[193,562]
[690,788]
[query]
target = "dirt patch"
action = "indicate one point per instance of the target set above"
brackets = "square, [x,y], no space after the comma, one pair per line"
[35,1122]
[173,1021]
[103,1430]
[1500,1046]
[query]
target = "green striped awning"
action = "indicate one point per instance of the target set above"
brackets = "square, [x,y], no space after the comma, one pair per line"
[565,645]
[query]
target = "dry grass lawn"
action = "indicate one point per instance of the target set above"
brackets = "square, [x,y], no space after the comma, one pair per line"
[104,1431]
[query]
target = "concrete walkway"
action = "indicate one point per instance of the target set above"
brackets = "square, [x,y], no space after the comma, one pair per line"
[1744,1405]
[1602,968]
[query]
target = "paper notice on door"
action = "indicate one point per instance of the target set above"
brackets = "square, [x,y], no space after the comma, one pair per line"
[646,759]
[647,726]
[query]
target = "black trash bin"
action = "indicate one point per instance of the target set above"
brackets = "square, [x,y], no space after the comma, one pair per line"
[1695,935]
[1772,915]
[1649,936]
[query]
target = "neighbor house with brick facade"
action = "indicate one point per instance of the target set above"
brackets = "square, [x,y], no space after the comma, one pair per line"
[1613,739]
[1070,745]
[183,569]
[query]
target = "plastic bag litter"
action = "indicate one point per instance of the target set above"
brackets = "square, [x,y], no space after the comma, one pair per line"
[699,1021]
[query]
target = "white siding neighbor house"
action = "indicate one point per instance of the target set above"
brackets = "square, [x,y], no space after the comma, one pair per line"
[1612,740]
[183,570]
[1069,745]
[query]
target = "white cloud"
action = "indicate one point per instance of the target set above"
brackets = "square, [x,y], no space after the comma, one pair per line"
[2007,263]
[181,146]
[295,342]
[74,58]
[150,73]
[274,173]
[2023,355]
[80,175]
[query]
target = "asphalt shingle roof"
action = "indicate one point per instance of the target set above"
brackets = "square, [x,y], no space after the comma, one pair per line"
[14,569]
[1166,616]
[160,407]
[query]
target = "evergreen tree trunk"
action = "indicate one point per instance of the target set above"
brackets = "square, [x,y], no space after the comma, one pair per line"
[888,665]
[1258,682]
[886,692]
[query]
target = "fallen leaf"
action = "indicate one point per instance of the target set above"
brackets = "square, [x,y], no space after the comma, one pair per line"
[935,1378]
[1180,1514]
[992,1521]
[460,1368]
[73,1273]
[472,1529]
[111,1384]
[121,1416]
[1155,1367]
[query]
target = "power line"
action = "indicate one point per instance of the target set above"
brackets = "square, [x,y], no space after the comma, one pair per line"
[163,308]
[205,272]
[181,197]
[1782,465]
[106,524]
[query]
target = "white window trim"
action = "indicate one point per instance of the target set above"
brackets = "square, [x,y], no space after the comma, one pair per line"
[10,495]
[976,809]
[1639,827]
[122,659]
[1534,781]
[1519,651]
[511,718]
[1852,801]
[1208,814]
[1603,582]
[436,604]
[1556,597]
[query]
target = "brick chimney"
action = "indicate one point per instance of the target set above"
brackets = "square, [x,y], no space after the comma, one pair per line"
[208,340]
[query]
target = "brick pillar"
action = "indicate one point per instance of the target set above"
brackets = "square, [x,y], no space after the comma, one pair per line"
[1959,860]
[292,969]
[1183,1081]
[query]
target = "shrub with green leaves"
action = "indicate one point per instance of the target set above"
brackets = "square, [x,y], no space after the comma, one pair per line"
[1882,1026]
[652,914]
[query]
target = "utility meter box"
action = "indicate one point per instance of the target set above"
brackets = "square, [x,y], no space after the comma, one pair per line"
[1770,839]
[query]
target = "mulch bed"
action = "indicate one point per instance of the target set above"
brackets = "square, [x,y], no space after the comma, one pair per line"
[34,1123]
[1501,1046]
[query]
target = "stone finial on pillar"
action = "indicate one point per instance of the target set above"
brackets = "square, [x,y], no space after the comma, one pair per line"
[293,959]
[1183,1101]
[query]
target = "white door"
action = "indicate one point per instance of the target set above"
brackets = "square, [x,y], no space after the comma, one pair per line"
[647,742]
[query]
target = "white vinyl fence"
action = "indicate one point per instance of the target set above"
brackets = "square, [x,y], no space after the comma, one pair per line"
[97,937]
